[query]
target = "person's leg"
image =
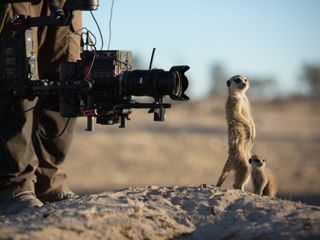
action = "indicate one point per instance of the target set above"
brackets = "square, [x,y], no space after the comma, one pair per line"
[51,150]
[56,44]
[17,159]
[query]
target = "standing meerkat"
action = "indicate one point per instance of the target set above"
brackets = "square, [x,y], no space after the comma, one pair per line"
[263,179]
[241,132]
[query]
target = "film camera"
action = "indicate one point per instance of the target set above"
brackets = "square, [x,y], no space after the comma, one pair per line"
[101,85]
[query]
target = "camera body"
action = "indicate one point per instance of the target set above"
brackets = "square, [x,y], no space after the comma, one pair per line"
[92,87]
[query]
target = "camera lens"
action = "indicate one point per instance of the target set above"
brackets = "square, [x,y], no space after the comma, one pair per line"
[155,83]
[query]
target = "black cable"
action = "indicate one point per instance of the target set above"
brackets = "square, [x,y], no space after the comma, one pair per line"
[57,136]
[12,108]
[92,46]
[128,66]
[30,109]
[74,76]
[21,112]
[110,22]
[63,42]
[89,42]
[92,63]
[39,132]
[100,33]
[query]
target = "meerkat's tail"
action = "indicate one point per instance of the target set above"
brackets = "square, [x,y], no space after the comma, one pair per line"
[225,172]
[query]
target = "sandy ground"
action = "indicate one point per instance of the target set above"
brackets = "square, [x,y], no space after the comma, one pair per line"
[204,212]
[190,148]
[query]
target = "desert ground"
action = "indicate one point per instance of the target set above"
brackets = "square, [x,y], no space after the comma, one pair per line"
[190,148]
[199,213]
[156,180]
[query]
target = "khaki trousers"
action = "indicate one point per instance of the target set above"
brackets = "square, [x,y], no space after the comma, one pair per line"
[28,160]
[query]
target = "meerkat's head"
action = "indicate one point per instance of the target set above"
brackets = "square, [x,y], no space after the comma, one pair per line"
[238,83]
[257,161]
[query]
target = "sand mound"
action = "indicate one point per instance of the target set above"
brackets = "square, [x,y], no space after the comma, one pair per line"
[204,212]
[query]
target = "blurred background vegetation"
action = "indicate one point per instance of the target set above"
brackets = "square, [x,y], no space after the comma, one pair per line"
[265,87]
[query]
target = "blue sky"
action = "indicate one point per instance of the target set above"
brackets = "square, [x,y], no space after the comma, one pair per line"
[255,38]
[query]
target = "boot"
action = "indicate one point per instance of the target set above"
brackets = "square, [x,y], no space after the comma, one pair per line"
[20,202]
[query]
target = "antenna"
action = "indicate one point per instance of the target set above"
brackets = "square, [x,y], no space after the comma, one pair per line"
[151,60]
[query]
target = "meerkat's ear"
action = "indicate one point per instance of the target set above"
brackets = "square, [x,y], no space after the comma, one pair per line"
[263,160]
[228,83]
[250,160]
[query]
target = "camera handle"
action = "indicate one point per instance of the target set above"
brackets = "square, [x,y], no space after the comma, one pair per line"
[159,111]
[90,122]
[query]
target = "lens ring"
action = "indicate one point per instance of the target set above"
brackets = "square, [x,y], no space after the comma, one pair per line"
[178,84]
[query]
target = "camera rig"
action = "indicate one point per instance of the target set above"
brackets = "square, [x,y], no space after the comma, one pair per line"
[100,85]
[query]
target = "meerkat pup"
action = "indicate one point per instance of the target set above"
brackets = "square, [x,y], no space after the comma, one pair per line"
[241,132]
[263,179]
